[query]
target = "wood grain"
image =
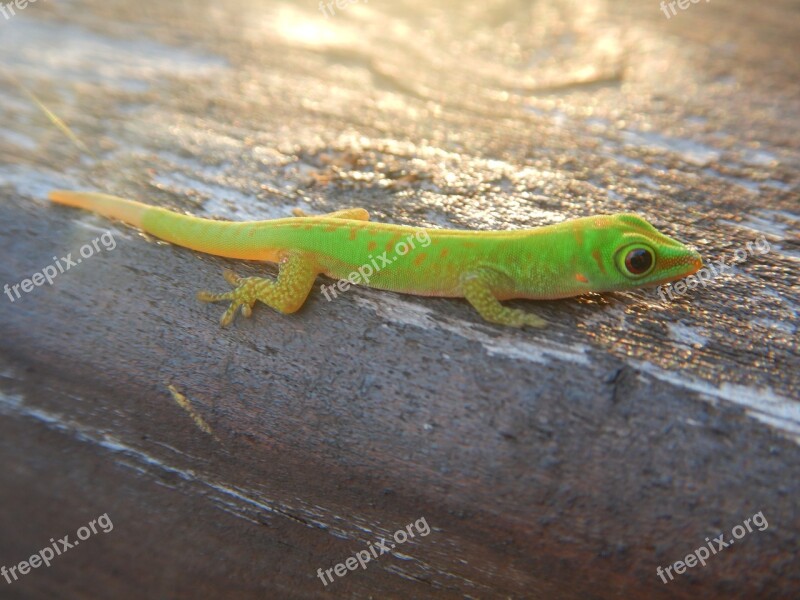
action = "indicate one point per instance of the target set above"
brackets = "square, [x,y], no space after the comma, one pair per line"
[564,463]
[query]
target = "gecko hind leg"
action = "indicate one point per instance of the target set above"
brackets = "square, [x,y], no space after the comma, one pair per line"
[477,289]
[285,294]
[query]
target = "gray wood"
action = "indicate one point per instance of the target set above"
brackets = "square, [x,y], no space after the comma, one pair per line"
[564,463]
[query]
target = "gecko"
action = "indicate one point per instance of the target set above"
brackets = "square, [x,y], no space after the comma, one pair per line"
[601,253]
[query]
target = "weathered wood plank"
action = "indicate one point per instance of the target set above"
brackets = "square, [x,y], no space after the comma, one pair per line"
[565,463]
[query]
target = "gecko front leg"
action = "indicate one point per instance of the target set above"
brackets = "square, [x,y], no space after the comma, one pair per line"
[286,294]
[477,289]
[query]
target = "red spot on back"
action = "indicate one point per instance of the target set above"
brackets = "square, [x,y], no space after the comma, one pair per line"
[420,258]
[599,260]
[581,277]
[392,241]
[372,245]
[353,233]
[577,231]
[444,253]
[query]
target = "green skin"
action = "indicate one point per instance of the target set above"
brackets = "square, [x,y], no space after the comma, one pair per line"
[557,261]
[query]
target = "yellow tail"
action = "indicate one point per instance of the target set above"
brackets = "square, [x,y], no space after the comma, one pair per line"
[129,211]
[222,238]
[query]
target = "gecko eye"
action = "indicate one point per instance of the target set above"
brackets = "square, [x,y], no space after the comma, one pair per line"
[636,260]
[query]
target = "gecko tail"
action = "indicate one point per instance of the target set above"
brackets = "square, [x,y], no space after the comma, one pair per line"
[221,238]
[128,211]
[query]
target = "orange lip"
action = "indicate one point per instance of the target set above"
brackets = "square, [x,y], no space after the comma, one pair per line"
[696,265]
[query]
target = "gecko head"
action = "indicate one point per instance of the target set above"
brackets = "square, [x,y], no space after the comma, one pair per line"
[626,252]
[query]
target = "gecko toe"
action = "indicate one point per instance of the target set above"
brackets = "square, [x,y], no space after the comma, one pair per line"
[211,297]
[231,277]
[531,320]
[229,315]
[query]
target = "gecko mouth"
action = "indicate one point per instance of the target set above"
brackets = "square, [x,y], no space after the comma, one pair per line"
[697,264]
[694,264]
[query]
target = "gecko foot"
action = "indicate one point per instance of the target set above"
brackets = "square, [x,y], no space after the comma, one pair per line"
[285,294]
[477,290]
[241,298]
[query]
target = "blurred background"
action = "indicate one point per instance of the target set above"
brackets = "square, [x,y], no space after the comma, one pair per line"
[565,463]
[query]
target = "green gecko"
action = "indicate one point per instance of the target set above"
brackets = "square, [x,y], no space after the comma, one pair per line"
[589,254]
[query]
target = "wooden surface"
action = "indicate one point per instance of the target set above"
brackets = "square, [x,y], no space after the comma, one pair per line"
[564,463]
